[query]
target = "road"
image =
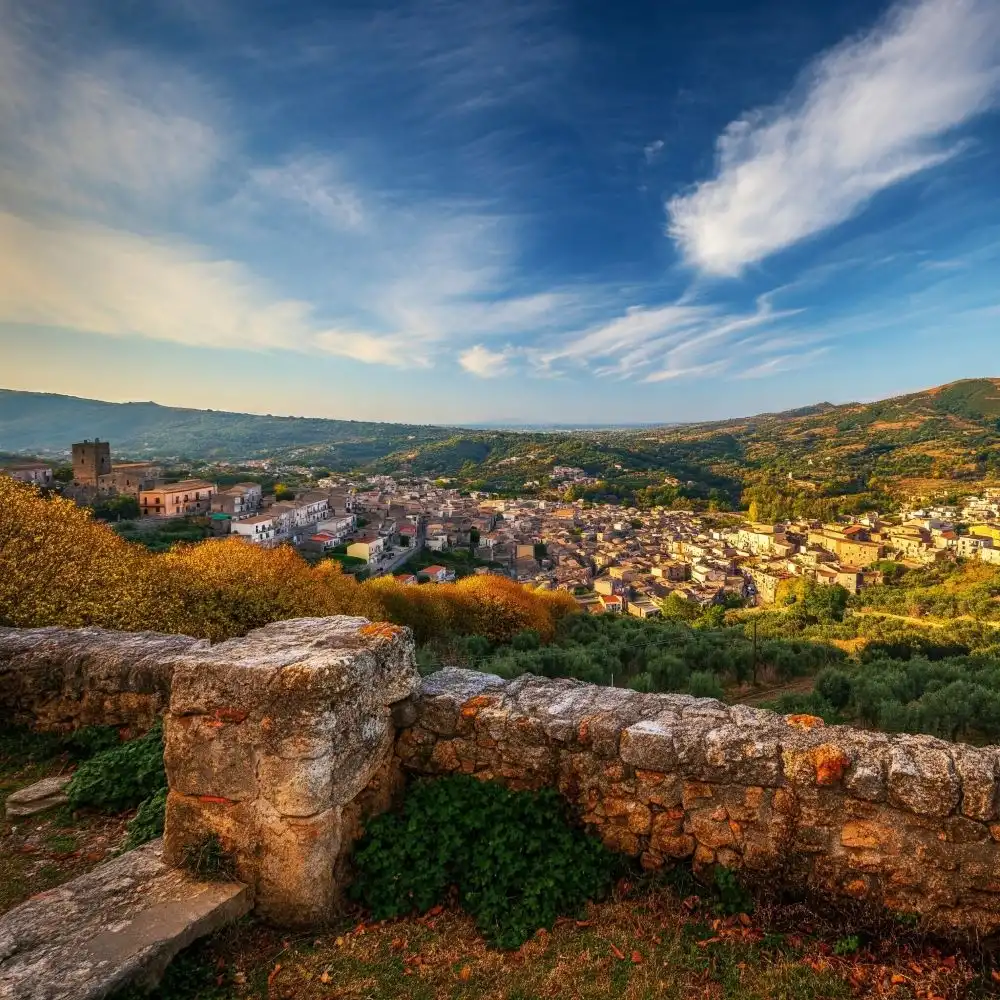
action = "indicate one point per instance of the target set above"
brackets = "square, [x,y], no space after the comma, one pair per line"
[925,622]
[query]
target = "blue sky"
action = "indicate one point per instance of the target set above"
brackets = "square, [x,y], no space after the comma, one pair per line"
[444,211]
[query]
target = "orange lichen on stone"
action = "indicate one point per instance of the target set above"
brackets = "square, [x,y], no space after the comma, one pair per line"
[856,888]
[804,721]
[234,715]
[784,802]
[380,630]
[475,705]
[827,762]
[830,762]
[865,835]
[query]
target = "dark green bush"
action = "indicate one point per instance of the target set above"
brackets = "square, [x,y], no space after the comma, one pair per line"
[147,824]
[515,858]
[122,777]
[19,744]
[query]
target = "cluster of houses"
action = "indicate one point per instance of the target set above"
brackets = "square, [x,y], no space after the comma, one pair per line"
[613,559]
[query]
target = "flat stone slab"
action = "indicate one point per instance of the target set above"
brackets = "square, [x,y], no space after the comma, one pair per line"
[45,794]
[119,924]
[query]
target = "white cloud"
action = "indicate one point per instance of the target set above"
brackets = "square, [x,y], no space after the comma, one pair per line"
[782,363]
[683,339]
[653,150]
[84,277]
[486,363]
[868,114]
[311,182]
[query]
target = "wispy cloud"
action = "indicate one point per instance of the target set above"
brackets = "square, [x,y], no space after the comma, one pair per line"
[652,150]
[484,362]
[782,363]
[122,178]
[312,183]
[867,115]
[683,339]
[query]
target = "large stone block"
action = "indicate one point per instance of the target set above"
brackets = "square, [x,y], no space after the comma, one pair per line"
[922,777]
[268,739]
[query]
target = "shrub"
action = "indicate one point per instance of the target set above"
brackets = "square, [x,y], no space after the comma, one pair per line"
[209,860]
[122,777]
[148,821]
[705,685]
[514,857]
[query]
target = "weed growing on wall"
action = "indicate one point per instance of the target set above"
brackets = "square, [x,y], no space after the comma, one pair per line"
[515,858]
[121,777]
[147,824]
[209,860]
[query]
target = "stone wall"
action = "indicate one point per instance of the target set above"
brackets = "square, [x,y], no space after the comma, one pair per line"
[909,822]
[281,743]
[56,678]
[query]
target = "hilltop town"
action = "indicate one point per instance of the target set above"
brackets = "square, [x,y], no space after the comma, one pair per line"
[614,559]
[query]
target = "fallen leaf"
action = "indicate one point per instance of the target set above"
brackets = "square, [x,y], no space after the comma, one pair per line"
[585,923]
[897,979]
[637,957]
[618,953]
[435,911]
[465,974]
[326,977]
[273,973]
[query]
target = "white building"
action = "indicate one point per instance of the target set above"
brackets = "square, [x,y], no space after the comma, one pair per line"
[260,530]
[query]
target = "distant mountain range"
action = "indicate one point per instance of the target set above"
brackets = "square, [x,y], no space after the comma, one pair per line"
[949,430]
[47,424]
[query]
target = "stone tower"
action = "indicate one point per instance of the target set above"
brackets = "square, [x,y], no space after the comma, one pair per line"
[91,460]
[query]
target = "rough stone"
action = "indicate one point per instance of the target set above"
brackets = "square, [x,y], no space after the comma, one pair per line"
[841,810]
[922,777]
[649,745]
[271,736]
[120,924]
[61,677]
[42,795]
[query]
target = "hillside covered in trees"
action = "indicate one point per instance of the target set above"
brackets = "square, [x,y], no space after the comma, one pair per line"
[817,461]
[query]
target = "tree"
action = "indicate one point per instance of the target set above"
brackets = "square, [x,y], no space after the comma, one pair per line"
[60,567]
[120,508]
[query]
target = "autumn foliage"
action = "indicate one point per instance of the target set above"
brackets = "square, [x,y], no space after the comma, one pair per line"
[60,567]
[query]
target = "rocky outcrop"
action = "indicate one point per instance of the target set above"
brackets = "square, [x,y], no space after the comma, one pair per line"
[279,744]
[119,924]
[908,821]
[64,678]
[39,797]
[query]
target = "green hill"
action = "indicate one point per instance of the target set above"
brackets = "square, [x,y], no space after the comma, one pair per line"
[812,461]
[49,423]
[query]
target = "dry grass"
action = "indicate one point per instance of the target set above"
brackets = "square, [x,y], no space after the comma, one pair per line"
[650,945]
[43,851]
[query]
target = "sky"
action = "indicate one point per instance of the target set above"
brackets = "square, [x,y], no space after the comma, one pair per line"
[444,211]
